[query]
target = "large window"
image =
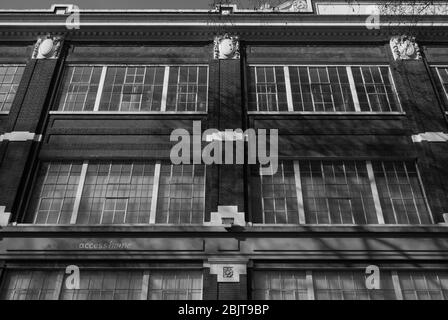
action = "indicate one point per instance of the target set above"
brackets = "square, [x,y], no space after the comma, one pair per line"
[282,285]
[349,285]
[322,89]
[10,76]
[135,88]
[181,194]
[103,285]
[118,193]
[279,195]
[424,285]
[442,73]
[30,285]
[343,192]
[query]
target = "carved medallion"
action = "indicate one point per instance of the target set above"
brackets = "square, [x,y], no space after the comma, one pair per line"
[226,47]
[405,48]
[47,47]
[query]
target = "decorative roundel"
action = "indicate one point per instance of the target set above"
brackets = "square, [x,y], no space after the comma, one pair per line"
[46,47]
[410,50]
[227,47]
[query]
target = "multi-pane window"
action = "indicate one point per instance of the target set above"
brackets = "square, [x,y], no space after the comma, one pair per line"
[118,193]
[322,89]
[181,194]
[267,89]
[30,285]
[54,201]
[343,192]
[349,285]
[442,73]
[103,285]
[10,76]
[400,194]
[375,89]
[279,195]
[282,285]
[424,285]
[175,285]
[187,88]
[80,88]
[132,89]
[337,192]
[106,285]
[135,88]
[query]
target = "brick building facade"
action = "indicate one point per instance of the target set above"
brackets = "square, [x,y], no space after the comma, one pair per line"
[86,178]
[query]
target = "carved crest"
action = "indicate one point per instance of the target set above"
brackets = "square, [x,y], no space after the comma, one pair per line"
[295,6]
[47,47]
[227,272]
[226,47]
[405,48]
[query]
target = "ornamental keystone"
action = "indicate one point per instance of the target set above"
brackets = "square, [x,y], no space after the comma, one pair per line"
[405,48]
[47,47]
[226,47]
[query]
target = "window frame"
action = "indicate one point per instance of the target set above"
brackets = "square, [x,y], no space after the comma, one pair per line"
[445,91]
[373,188]
[354,93]
[99,93]
[18,84]
[393,273]
[61,276]
[154,200]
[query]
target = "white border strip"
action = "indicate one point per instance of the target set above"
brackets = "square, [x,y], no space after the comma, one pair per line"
[20,136]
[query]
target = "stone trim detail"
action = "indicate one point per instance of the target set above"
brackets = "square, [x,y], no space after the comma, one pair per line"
[445,218]
[227,270]
[227,216]
[226,46]
[20,136]
[295,6]
[47,47]
[4,216]
[405,48]
[430,137]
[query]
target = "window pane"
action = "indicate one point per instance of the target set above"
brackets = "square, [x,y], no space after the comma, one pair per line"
[400,193]
[427,285]
[181,194]
[10,76]
[350,285]
[80,88]
[280,285]
[132,89]
[269,91]
[29,285]
[117,193]
[54,194]
[320,89]
[337,192]
[187,88]
[175,285]
[106,285]
[375,89]
[279,197]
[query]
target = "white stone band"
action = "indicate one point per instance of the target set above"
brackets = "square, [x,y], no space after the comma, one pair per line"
[430,137]
[20,136]
[4,216]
